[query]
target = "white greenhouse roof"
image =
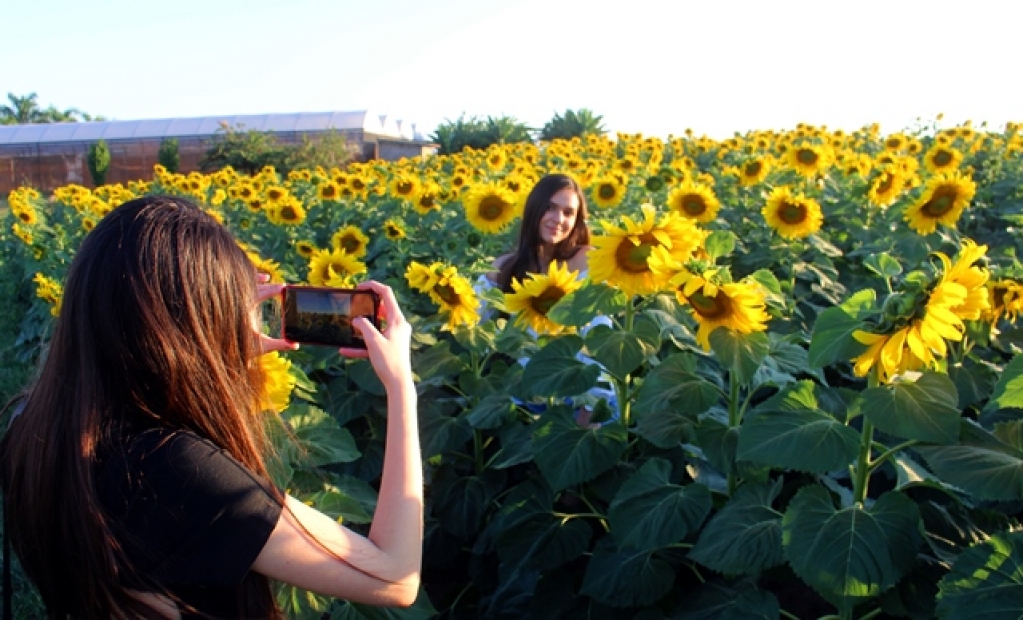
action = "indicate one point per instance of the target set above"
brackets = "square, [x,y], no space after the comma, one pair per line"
[376,124]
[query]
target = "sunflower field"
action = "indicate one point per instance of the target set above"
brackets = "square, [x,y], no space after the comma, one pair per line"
[799,350]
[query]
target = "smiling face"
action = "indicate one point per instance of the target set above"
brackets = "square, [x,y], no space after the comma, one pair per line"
[559,219]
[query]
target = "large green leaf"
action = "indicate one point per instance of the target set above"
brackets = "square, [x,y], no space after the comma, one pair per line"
[621,352]
[530,534]
[321,440]
[832,340]
[626,579]
[556,372]
[516,446]
[664,429]
[1008,391]
[422,609]
[568,454]
[925,410]
[745,537]
[436,363]
[493,411]
[718,442]
[986,581]
[442,432]
[741,354]
[338,506]
[981,464]
[578,308]
[851,554]
[673,385]
[649,512]
[789,431]
[974,382]
[460,501]
[714,601]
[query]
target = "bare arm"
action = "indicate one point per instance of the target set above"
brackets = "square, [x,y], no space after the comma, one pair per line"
[383,568]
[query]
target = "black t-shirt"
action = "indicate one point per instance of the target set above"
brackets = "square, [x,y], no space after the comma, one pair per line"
[191,519]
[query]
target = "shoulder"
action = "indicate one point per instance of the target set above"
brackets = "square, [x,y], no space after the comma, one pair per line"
[501,260]
[578,261]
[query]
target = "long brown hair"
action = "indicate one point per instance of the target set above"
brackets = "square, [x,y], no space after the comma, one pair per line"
[526,258]
[154,325]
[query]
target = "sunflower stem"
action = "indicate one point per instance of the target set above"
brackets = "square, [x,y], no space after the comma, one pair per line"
[733,422]
[624,387]
[863,464]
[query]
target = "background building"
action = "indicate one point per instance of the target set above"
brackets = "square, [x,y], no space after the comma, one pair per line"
[46,156]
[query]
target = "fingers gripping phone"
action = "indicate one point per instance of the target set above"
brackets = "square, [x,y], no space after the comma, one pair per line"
[323,316]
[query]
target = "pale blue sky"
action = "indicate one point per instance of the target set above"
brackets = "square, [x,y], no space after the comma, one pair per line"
[649,66]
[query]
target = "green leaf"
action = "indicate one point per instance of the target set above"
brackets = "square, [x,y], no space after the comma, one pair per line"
[568,454]
[981,464]
[621,352]
[832,339]
[556,372]
[422,609]
[664,429]
[578,308]
[493,411]
[626,579]
[974,382]
[437,363]
[926,410]
[986,580]
[719,443]
[741,354]
[361,372]
[719,243]
[745,537]
[674,386]
[443,433]
[883,264]
[1008,391]
[649,512]
[530,534]
[320,439]
[851,554]
[714,601]
[789,431]
[460,501]
[860,303]
[338,506]
[516,446]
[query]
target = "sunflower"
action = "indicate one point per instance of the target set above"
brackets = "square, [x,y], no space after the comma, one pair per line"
[694,201]
[393,230]
[350,240]
[490,207]
[404,186]
[428,198]
[754,171]
[607,192]
[22,233]
[50,291]
[942,159]
[620,256]
[942,202]
[497,158]
[264,265]
[809,160]
[535,297]
[278,382]
[275,193]
[328,264]
[737,306]
[895,142]
[304,248]
[886,186]
[328,191]
[792,215]
[287,212]
[972,278]
[1005,297]
[450,291]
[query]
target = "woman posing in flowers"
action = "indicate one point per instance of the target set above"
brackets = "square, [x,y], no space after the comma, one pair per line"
[134,474]
[553,229]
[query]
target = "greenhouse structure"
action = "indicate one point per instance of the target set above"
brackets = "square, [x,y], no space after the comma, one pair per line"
[46,156]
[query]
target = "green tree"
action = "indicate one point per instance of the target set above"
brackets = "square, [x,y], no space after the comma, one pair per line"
[245,151]
[168,155]
[99,162]
[572,124]
[454,136]
[330,150]
[22,110]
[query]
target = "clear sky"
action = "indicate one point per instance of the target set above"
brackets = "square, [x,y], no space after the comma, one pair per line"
[650,66]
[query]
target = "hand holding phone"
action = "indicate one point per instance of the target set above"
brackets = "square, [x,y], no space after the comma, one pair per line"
[323,315]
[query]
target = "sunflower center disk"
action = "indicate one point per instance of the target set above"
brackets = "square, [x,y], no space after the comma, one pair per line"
[939,205]
[753,169]
[710,307]
[446,293]
[806,156]
[942,158]
[607,191]
[694,205]
[350,244]
[288,214]
[404,188]
[632,258]
[543,302]
[792,213]
[492,208]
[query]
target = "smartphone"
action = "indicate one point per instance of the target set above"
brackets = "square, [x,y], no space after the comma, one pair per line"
[323,316]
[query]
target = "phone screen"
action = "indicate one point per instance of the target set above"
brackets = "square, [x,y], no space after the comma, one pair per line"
[316,315]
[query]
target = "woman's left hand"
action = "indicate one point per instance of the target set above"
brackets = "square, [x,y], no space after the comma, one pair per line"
[265,290]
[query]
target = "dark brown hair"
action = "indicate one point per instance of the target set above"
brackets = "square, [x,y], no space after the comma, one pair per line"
[154,325]
[526,258]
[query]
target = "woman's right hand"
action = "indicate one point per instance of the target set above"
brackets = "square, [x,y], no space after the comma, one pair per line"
[388,350]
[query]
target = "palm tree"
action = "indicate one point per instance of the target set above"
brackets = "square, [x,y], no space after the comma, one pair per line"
[572,124]
[23,110]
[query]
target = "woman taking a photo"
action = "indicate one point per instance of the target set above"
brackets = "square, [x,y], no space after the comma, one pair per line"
[134,474]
